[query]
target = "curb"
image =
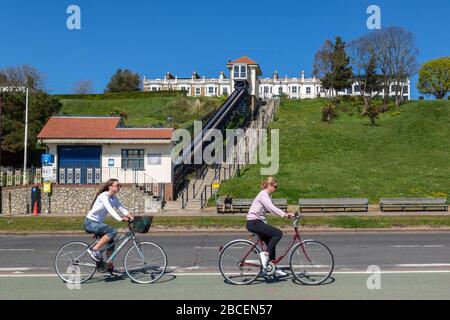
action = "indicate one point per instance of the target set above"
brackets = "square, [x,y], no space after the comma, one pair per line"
[180,230]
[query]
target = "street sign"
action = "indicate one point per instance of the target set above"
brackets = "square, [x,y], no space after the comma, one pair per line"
[216,185]
[47,174]
[47,187]
[47,159]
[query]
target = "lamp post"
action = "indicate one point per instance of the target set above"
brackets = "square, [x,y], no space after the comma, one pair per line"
[1,138]
[25,141]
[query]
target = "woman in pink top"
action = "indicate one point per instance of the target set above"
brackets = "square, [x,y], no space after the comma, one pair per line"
[256,221]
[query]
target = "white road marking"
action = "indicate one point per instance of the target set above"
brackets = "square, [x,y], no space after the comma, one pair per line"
[21,269]
[199,274]
[417,246]
[207,248]
[423,265]
[17,250]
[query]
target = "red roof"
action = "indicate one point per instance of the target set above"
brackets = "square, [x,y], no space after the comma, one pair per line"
[243,59]
[97,128]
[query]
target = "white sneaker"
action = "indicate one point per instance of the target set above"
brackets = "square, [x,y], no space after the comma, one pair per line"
[280,273]
[264,259]
[95,254]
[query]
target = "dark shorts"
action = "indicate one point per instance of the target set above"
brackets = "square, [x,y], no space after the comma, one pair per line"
[99,229]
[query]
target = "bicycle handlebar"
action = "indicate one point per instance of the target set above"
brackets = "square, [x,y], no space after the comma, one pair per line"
[297,218]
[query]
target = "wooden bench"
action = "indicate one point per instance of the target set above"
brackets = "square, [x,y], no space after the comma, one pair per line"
[243,205]
[333,204]
[416,204]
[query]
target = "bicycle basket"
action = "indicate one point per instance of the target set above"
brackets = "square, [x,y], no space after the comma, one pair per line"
[141,224]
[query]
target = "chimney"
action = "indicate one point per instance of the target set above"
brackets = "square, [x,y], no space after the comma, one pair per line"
[303,75]
[275,75]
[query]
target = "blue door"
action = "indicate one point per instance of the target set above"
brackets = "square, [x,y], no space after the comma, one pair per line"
[78,157]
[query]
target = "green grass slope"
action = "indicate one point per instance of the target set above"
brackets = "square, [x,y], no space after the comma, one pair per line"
[406,155]
[146,112]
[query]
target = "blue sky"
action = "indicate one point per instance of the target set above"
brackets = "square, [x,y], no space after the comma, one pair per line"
[154,36]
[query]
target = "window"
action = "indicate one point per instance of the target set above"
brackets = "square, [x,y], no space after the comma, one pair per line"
[266,89]
[405,89]
[154,88]
[154,159]
[236,71]
[210,90]
[133,159]
[294,89]
[308,90]
[280,90]
[197,91]
[225,90]
[243,72]
[357,88]
[240,71]
[349,91]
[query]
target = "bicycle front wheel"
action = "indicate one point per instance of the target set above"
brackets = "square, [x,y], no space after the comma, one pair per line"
[145,262]
[73,264]
[311,262]
[239,262]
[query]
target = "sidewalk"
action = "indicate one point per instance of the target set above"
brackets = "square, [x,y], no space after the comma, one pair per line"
[211,212]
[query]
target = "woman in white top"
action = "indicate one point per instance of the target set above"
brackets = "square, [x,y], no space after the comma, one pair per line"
[256,221]
[105,202]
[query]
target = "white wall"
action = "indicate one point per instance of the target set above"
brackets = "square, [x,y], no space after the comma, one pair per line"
[161,173]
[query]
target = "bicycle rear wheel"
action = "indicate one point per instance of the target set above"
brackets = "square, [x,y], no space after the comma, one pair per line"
[311,262]
[239,262]
[73,264]
[145,263]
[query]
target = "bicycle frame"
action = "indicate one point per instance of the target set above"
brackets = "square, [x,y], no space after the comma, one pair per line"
[262,245]
[123,240]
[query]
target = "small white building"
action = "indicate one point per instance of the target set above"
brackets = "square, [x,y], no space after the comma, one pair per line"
[89,150]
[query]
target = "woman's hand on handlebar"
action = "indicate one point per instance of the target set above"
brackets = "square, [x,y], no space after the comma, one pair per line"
[290,215]
[128,218]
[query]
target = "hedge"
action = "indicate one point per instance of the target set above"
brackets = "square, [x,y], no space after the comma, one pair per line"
[123,95]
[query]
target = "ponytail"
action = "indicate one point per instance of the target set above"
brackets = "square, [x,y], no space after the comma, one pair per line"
[268,181]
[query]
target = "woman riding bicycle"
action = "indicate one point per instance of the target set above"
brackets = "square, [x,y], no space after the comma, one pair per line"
[105,202]
[256,221]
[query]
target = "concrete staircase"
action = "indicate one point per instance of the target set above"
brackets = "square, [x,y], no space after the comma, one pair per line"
[194,198]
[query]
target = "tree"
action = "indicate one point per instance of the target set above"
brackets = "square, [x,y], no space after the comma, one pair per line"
[366,75]
[22,76]
[41,107]
[331,66]
[124,81]
[396,55]
[83,87]
[434,78]
[323,65]
[342,72]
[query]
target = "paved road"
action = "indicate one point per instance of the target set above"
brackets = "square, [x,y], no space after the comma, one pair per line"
[413,266]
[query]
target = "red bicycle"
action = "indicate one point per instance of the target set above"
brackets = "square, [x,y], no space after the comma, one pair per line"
[311,261]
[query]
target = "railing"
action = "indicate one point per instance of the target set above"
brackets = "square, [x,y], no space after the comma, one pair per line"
[185,196]
[82,176]
[201,173]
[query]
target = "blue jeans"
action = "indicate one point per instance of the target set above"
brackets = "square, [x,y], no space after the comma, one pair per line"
[100,229]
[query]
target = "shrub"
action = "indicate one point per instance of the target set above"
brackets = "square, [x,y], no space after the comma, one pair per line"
[329,112]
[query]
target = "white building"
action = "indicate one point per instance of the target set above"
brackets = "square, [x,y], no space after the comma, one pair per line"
[294,88]
[90,150]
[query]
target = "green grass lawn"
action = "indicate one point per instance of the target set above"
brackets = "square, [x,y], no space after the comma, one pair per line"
[75,224]
[146,112]
[406,155]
